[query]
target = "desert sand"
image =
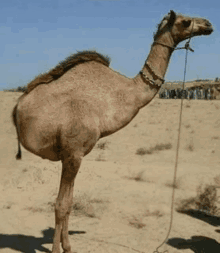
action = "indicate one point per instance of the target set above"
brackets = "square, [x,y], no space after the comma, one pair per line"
[122,196]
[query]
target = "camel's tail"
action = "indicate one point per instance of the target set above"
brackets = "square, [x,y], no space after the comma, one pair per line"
[14,113]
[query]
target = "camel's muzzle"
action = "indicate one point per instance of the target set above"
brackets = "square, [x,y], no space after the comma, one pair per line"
[209,30]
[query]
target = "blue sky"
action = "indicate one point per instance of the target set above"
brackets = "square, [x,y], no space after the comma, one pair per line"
[37,34]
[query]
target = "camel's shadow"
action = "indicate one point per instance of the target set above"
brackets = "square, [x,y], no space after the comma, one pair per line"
[29,244]
[198,244]
[203,216]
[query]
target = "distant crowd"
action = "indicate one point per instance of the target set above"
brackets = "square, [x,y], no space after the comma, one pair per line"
[197,93]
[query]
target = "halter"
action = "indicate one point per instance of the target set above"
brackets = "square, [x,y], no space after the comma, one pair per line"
[159,78]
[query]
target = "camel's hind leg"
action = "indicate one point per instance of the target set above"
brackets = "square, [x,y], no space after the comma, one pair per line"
[70,168]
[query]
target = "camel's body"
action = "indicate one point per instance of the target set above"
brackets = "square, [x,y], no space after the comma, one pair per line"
[64,113]
[100,108]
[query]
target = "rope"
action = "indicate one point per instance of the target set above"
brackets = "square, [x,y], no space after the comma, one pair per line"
[187,47]
[176,162]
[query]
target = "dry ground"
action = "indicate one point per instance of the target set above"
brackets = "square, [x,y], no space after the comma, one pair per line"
[123,190]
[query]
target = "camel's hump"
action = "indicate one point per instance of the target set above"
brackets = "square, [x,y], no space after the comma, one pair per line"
[70,62]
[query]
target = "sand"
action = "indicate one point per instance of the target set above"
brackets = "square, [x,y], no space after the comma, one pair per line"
[122,198]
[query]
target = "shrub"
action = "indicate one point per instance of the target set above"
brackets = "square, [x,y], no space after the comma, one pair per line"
[157,147]
[205,201]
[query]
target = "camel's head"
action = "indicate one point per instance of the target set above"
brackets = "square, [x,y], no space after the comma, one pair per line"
[181,28]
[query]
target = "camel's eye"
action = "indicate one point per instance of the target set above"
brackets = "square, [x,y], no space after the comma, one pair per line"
[186,23]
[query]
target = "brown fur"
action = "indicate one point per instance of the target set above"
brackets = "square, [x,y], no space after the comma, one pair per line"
[161,26]
[64,66]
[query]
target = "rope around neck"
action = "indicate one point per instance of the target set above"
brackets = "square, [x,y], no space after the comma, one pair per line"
[187,47]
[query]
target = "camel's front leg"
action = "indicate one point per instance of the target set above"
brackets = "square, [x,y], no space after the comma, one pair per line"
[64,202]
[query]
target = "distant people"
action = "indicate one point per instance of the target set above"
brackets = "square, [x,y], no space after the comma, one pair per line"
[203,93]
[172,93]
[191,94]
[175,96]
[206,93]
[184,94]
[195,94]
[179,93]
[209,94]
[199,96]
[169,93]
[187,93]
[165,93]
[214,92]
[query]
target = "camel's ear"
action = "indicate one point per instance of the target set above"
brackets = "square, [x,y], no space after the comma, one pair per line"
[172,18]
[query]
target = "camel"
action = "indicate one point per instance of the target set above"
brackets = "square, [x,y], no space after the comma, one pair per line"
[64,112]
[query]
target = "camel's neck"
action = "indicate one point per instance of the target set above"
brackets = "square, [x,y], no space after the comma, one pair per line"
[156,63]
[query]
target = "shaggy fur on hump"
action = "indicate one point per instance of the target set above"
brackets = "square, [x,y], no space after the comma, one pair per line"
[65,65]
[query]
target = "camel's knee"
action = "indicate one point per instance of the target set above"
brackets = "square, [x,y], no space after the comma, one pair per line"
[62,209]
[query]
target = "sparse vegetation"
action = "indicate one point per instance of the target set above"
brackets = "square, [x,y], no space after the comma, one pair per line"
[34,209]
[175,185]
[86,210]
[187,126]
[205,201]
[8,205]
[157,147]
[100,158]
[51,206]
[86,206]
[190,147]
[156,213]
[143,151]
[215,137]
[102,145]
[136,222]
[161,147]
[217,180]
[138,177]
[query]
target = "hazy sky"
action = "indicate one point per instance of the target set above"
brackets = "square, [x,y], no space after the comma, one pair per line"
[37,34]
